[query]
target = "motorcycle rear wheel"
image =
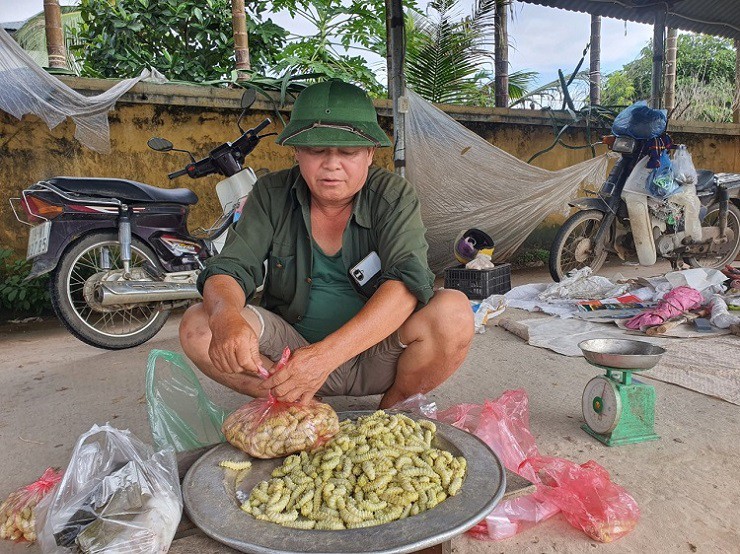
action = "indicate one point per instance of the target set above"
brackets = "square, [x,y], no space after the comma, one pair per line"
[573,245]
[109,328]
[730,250]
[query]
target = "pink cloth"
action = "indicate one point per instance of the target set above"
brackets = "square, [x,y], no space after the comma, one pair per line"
[679,300]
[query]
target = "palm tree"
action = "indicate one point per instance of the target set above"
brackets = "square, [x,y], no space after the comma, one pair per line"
[446,55]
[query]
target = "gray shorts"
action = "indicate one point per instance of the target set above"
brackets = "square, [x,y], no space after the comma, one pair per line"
[371,372]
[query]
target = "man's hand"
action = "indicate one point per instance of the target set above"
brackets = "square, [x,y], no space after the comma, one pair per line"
[234,345]
[302,376]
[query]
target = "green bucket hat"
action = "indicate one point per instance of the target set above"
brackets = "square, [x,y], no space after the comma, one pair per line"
[333,113]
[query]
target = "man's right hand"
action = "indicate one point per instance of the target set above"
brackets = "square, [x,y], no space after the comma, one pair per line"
[234,345]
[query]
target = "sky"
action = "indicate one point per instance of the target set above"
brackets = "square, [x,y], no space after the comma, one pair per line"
[542,39]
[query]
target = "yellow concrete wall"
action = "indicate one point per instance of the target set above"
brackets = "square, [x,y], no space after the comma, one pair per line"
[198,119]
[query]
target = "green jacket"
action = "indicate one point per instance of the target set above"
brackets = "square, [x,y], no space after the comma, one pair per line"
[275,226]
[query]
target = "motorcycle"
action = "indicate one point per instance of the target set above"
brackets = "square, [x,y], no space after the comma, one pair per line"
[119,252]
[698,230]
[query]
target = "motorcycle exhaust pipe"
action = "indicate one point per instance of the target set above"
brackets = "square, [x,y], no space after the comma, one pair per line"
[141,292]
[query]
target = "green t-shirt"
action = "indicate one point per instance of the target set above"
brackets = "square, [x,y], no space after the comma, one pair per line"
[332,301]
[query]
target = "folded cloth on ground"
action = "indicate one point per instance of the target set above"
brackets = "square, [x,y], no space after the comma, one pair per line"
[673,304]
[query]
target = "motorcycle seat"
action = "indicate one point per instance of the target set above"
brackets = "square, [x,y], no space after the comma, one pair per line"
[123,189]
[704,180]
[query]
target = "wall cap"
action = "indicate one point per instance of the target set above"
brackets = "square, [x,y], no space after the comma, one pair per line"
[223,98]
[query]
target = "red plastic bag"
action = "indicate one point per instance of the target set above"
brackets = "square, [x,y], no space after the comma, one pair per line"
[503,424]
[17,513]
[587,497]
[268,428]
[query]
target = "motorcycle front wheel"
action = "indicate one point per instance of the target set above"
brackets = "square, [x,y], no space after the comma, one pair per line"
[108,327]
[728,251]
[573,247]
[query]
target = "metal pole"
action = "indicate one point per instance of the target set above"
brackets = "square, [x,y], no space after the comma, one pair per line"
[398,85]
[594,71]
[736,102]
[670,69]
[388,49]
[658,57]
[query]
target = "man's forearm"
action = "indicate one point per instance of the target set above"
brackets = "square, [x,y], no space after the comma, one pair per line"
[221,294]
[384,313]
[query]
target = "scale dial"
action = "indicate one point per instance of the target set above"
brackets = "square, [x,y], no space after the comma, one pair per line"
[602,405]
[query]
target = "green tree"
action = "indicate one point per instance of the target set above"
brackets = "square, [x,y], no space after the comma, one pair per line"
[705,71]
[618,89]
[339,25]
[187,40]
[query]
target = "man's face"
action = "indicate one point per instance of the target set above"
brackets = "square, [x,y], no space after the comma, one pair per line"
[334,175]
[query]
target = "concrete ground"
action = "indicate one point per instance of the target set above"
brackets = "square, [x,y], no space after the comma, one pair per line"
[53,388]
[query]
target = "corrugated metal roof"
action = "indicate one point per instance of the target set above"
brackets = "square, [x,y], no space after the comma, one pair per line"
[711,17]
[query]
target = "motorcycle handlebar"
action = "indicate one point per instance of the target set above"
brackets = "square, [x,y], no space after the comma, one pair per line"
[225,159]
[261,126]
[177,174]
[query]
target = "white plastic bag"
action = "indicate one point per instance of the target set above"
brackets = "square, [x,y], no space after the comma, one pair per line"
[487,309]
[721,316]
[683,166]
[581,284]
[117,495]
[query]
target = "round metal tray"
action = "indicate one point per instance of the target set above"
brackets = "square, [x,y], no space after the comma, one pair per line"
[621,353]
[210,502]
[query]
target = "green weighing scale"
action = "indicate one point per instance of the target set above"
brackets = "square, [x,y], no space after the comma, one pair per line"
[617,408]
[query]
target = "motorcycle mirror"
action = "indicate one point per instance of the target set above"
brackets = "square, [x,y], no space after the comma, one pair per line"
[159,144]
[248,98]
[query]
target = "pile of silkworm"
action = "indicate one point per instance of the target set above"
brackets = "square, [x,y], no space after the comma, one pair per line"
[377,470]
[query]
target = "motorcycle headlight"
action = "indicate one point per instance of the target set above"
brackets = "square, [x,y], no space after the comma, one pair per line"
[626,145]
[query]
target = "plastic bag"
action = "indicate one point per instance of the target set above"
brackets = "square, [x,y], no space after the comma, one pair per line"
[513,516]
[268,428]
[661,182]
[721,316]
[589,500]
[180,414]
[487,309]
[503,424]
[117,495]
[18,512]
[586,496]
[683,166]
[580,284]
[640,121]
[417,404]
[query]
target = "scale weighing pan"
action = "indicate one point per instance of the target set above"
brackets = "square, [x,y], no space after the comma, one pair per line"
[210,501]
[621,353]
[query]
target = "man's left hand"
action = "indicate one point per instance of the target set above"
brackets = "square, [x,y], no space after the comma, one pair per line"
[302,376]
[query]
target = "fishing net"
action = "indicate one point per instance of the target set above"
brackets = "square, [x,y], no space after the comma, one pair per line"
[464,181]
[28,89]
